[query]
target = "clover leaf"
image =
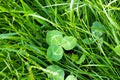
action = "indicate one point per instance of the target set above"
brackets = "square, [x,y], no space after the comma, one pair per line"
[71,77]
[68,42]
[97,29]
[58,72]
[54,53]
[56,42]
[54,37]
[88,40]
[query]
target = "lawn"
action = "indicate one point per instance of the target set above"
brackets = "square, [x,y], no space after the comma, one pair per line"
[59,39]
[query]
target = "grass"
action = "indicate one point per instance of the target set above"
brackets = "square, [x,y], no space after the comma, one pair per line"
[23,28]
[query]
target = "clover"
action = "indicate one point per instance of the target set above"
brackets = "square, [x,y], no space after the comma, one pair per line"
[57,42]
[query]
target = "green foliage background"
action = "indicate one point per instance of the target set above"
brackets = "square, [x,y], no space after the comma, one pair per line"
[23,28]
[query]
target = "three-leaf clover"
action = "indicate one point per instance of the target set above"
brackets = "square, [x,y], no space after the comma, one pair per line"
[97,30]
[56,43]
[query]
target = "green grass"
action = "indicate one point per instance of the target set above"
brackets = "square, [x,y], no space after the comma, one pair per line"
[23,28]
